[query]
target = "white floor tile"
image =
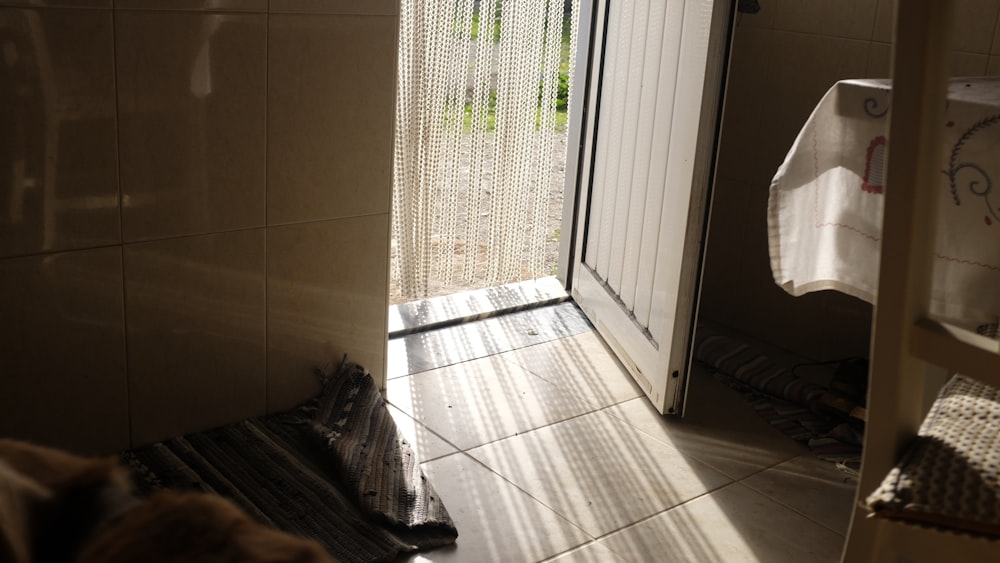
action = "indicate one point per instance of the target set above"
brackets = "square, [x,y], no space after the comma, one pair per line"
[424,443]
[572,472]
[434,349]
[811,486]
[496,521]
[583,365]
[732,525]
[590,553]
[599,472]
[474,303]
[481,401]
[718,428]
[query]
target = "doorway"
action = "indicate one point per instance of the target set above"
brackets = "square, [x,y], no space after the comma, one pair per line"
[483,105]
[644,138]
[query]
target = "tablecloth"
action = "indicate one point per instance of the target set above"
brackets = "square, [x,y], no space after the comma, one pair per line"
[826,199]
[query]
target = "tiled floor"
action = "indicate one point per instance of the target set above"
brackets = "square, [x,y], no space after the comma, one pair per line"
[543,448]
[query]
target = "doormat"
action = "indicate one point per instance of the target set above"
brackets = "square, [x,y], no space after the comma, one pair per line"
[788,402]
[336,469]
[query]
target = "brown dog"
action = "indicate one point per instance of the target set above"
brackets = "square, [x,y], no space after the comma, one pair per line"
[56,506]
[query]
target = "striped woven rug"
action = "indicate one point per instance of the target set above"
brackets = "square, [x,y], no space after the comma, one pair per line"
[336,470]
[786,401]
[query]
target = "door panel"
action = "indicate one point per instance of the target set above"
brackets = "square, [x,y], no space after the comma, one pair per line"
[627,169]
[604,211]
[653,136]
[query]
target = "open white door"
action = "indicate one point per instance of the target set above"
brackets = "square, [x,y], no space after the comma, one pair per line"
[646,166]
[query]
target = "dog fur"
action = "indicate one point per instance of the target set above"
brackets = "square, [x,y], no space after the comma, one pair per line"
[55,506]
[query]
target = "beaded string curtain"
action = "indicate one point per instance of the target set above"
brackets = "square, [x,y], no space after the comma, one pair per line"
[476,116]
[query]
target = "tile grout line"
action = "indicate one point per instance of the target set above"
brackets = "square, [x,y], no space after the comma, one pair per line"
[574,548]
[695,457]
[121,224]
[466,450]
[782,503]
[594,407]
[659,513]
[496,440]
[429,430]
[601,538]
[267,231]
[594,539]
[553,337]
[594,410]
[526,493]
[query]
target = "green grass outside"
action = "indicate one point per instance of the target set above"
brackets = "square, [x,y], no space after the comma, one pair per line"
[475,28]
[564,67]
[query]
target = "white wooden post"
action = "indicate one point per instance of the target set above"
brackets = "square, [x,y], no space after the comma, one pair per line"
[921,51]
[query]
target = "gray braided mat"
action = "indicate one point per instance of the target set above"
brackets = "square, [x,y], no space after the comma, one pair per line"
[336,470]
[950,475]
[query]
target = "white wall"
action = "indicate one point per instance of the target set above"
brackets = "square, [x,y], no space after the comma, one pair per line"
[194,209]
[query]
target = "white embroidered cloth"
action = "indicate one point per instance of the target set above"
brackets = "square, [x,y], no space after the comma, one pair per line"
[825,204]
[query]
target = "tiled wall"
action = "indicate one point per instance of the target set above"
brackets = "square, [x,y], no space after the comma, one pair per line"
[194,209]
[784,59]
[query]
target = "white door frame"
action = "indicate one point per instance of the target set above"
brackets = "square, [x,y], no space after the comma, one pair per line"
[589,43]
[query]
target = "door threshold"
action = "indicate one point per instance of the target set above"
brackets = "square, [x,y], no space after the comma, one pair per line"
[467,306]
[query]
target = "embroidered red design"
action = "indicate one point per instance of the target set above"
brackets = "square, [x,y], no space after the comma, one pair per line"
[874,166]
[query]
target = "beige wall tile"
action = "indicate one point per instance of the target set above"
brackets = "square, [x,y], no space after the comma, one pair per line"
[192,101]
[720,289]
[851,19]
[193,104]
[331,90]
[194,5]
[975,23]
[762,308]
[357,7]
[993,67]
[59,186]
[63,347]
[106,4]
[968,64]
[884,21]
[962,63]
[879,60]
[995,46]
[327,295]
[802,69]
[763,19]
[849,326]
[744,100]
[196,349]
[768,313]
[738,289]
